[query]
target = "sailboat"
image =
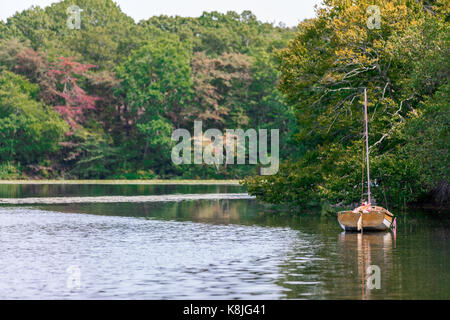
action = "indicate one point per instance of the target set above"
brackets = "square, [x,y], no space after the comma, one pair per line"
[367,216]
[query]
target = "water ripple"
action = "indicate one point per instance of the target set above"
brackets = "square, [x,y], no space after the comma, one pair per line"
[121,257]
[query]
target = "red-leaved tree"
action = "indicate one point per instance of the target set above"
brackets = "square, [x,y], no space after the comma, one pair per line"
[65,75]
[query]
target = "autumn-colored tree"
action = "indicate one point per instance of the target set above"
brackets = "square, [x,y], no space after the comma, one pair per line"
[66,74]
[399,56]
[221,86]
[58,81]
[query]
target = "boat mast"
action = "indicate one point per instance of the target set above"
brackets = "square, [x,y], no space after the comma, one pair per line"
[367,144]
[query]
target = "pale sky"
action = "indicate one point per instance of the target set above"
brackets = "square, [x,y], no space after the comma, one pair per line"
[290,12]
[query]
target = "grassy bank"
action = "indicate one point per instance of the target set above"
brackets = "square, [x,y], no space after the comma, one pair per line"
[145,182]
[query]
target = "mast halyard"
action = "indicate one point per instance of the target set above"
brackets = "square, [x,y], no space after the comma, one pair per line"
[367,145]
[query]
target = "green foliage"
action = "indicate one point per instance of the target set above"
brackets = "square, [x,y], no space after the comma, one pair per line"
[105,37]
[148,79]
[91,156]
[216,33]
[158,144]
[29,131]
[4,31]
[428,145]
[16,96]
[156,80]
[232,71]
[323,74]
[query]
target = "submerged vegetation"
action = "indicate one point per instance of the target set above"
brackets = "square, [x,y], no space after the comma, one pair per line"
[101,102]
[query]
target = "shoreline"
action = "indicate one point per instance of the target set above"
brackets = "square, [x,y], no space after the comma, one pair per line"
[127,199]
[124,182]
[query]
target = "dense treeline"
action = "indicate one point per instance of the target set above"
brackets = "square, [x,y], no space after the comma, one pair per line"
[103,101]
[404,64]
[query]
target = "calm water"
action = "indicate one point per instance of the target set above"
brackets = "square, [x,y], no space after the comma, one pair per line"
[86,190]
[224,249]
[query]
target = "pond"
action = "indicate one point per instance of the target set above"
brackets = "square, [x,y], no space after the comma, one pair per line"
[208,249]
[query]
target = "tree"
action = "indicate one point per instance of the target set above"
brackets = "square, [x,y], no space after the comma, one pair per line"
[156,81]
[4,31]
[149,78]
[106,36]
[221,89]
[324,72]
[76,100]
[29,131]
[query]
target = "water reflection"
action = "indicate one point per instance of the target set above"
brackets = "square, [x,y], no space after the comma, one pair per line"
[221,249]
[207,211]
[367,249]
[319,262]
[123,257]
[91,190]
